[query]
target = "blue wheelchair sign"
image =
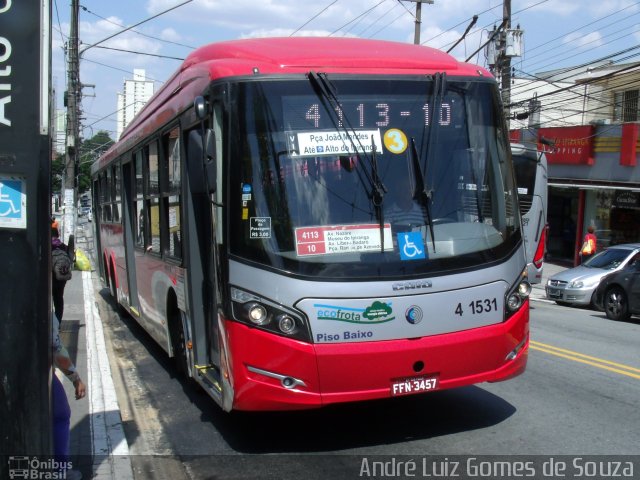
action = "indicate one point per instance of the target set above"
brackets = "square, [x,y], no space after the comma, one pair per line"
[12,203]
[411,246]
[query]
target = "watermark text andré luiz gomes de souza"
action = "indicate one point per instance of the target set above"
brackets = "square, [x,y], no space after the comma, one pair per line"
[578,467]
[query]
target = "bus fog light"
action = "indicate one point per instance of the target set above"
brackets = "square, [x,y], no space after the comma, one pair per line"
[257,313]
[514,301]
[286,324]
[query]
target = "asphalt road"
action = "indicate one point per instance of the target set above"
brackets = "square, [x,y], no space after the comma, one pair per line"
[578,396]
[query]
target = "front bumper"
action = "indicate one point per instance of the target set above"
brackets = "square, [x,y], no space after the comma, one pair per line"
[576,296]
[325,374]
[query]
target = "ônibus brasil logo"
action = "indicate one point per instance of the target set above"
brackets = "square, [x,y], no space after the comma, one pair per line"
[377,312]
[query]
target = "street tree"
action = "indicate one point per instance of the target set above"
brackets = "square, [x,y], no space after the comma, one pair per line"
[90,151]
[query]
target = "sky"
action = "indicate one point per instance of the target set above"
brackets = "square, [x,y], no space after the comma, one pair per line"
[557,34]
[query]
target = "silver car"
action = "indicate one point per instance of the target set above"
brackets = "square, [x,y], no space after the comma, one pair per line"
[576,286]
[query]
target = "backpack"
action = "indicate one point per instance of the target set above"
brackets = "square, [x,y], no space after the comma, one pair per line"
[61,264]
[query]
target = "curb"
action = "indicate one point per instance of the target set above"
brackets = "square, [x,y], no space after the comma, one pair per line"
[109,444]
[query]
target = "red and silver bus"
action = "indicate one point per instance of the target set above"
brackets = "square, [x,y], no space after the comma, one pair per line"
[307,221]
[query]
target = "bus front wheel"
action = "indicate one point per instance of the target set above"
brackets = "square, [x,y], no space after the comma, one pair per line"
[178,342]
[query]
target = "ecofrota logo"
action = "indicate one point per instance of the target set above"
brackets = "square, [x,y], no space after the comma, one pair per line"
[377,312]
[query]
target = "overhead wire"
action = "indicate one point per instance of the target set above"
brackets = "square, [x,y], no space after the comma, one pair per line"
[573,54]
[366,12]
[136,31]
[312,18]
[377,21]
[135,25]
[355,24]
[139,53]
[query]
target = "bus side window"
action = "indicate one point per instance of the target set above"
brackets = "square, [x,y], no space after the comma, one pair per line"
[152,198]
[139,218]
[171,165]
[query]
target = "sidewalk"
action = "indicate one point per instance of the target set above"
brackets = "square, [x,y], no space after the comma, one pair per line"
[98,446]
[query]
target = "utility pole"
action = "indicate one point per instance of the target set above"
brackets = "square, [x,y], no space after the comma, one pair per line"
[416,35]
[72,101]
[505,64]
[505,43]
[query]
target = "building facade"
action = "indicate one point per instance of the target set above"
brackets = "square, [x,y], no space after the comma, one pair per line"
[135,94]
[594,170]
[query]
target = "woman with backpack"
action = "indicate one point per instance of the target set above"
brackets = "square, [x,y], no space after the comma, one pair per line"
[61,266]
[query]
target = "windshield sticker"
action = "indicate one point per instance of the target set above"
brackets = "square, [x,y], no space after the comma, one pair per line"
[260,227]
[333,142]
[377,312]
[395,140]
[341,239]
[411,246]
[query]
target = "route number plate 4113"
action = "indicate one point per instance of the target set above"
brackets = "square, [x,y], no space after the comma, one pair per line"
[411,385]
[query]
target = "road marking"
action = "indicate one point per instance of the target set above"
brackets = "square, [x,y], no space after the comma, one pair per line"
[586,359]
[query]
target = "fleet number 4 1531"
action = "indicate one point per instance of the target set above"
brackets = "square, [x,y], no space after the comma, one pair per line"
[477,307]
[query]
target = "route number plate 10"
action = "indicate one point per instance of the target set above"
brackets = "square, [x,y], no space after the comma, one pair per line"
[411,385]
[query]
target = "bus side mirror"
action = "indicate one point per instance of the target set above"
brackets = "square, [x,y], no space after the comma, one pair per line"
[210,170]
[200,106]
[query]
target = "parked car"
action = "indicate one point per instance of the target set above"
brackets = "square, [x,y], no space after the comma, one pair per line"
[577,286]
[619,293]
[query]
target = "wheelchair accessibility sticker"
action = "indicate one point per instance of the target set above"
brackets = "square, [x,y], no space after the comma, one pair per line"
[13,203]
[411,246]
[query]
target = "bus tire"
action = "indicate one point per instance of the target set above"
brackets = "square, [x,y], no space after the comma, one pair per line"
[177,336]
[112,283]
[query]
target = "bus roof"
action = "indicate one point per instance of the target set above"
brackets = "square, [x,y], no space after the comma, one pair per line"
[285,55]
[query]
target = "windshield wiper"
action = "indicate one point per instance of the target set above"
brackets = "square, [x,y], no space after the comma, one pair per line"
[420,193]
[423,193]
[325,90]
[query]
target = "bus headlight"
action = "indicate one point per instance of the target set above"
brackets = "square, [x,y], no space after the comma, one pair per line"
[262,313]
[256,313]
[524,289]
[517,295]
[286,324]
[514,302]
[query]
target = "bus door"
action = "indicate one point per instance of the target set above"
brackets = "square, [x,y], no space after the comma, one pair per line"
[129,221]
[202,242]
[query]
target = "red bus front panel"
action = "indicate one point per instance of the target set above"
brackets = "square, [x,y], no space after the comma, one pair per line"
[348,372]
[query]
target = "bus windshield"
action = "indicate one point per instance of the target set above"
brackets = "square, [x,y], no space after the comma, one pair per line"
[338,177]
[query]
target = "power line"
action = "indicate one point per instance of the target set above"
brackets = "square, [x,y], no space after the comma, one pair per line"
[312,18]
[140,53]
[119,69]
[577,29]
[355,24]
[366,12]
[136,31]
[59,24]
[573,54]
[376,21]
[137,24]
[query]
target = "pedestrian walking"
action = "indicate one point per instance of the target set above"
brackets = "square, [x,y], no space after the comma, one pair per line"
[61,267]
[60,404]
[588,248]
